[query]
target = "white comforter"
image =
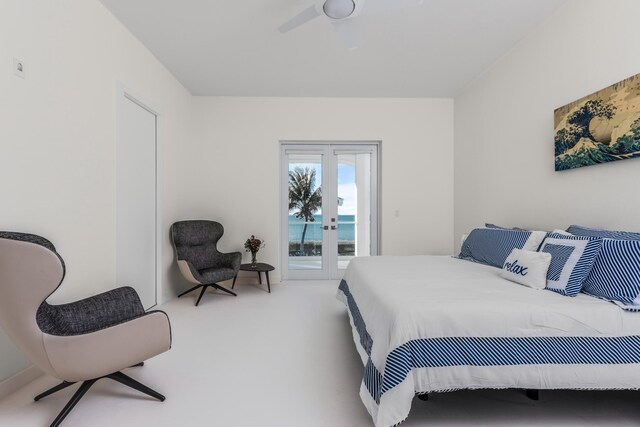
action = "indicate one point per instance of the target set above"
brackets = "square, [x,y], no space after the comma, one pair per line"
[428,323]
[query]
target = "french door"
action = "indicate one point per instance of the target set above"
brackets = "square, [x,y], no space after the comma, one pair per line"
[329,207]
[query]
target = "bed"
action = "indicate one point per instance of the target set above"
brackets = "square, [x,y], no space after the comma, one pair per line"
[425,324]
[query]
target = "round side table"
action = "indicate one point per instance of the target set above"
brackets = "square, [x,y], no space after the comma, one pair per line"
[260,267]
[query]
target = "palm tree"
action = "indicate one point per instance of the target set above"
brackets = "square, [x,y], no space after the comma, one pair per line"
[304,197]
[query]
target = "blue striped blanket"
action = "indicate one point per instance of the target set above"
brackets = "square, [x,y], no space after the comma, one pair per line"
[430,324]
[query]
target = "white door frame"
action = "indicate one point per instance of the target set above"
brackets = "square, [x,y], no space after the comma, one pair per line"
[123,94]
[326,150]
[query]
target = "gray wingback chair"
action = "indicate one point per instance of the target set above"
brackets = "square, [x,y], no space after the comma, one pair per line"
[85,340]
[198,257]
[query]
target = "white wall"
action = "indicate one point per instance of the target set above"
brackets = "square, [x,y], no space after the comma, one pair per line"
[58,148]
[58,133]
[504,151]
[234,178]
[57,137]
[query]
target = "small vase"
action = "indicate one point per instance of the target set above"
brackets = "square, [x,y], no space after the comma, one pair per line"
[254,260]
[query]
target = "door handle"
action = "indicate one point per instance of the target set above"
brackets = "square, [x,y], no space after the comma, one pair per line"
[333,227]
[326,227]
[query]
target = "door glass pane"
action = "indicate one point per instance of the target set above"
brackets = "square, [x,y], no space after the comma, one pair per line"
[305,212]
[354,207]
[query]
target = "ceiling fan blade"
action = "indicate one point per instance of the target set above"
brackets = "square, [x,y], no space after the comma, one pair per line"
[380,6]
[348,31]
[302,18]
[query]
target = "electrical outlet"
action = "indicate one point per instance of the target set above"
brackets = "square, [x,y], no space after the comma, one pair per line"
[18,67]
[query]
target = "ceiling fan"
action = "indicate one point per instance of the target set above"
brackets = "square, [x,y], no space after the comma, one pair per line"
[341,14]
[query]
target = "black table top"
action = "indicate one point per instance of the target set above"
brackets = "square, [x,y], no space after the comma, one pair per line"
[261,266]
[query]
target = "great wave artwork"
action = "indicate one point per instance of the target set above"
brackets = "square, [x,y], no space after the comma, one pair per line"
[599,128]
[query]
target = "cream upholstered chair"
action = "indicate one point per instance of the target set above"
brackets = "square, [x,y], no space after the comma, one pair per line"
[198,257]
[84,341]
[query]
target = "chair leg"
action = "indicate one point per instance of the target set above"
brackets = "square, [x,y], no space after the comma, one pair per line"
[85,386]
[61,386]
[72,403]
[130,382]
[187,291]
[532,394]
[204,289]
[224,289]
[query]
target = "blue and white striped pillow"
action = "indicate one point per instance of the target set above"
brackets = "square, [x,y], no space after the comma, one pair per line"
[616,274]
[572,258]
[580,230]
[491,225]
[492,246]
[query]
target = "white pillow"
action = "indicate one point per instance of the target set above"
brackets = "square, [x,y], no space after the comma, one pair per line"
[564,233]
[528,268]
[534,242]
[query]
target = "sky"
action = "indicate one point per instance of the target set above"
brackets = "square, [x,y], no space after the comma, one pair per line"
[347,189]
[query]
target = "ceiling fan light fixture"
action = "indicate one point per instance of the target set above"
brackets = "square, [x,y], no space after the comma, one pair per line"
[338,9]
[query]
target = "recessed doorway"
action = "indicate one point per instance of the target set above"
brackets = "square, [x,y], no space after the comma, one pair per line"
[137,198]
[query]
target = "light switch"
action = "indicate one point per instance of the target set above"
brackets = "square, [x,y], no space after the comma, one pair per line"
[18,67]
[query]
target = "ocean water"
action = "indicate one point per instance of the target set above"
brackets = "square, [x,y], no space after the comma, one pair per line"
[346,232]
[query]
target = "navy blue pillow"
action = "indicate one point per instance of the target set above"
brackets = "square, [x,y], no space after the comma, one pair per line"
[489,225]
[615,275]
[580,230]
[492,246]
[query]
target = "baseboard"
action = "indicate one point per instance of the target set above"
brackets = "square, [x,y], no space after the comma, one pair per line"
[19,380]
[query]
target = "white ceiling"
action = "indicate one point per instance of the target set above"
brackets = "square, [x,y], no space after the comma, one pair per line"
[232,47]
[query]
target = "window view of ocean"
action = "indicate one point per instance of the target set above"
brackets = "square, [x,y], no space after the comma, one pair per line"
[354,200]
[346,232]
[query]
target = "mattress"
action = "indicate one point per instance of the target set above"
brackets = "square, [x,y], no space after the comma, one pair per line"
[425,324]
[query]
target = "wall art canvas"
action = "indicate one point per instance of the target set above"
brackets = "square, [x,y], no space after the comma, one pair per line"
[599,128]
